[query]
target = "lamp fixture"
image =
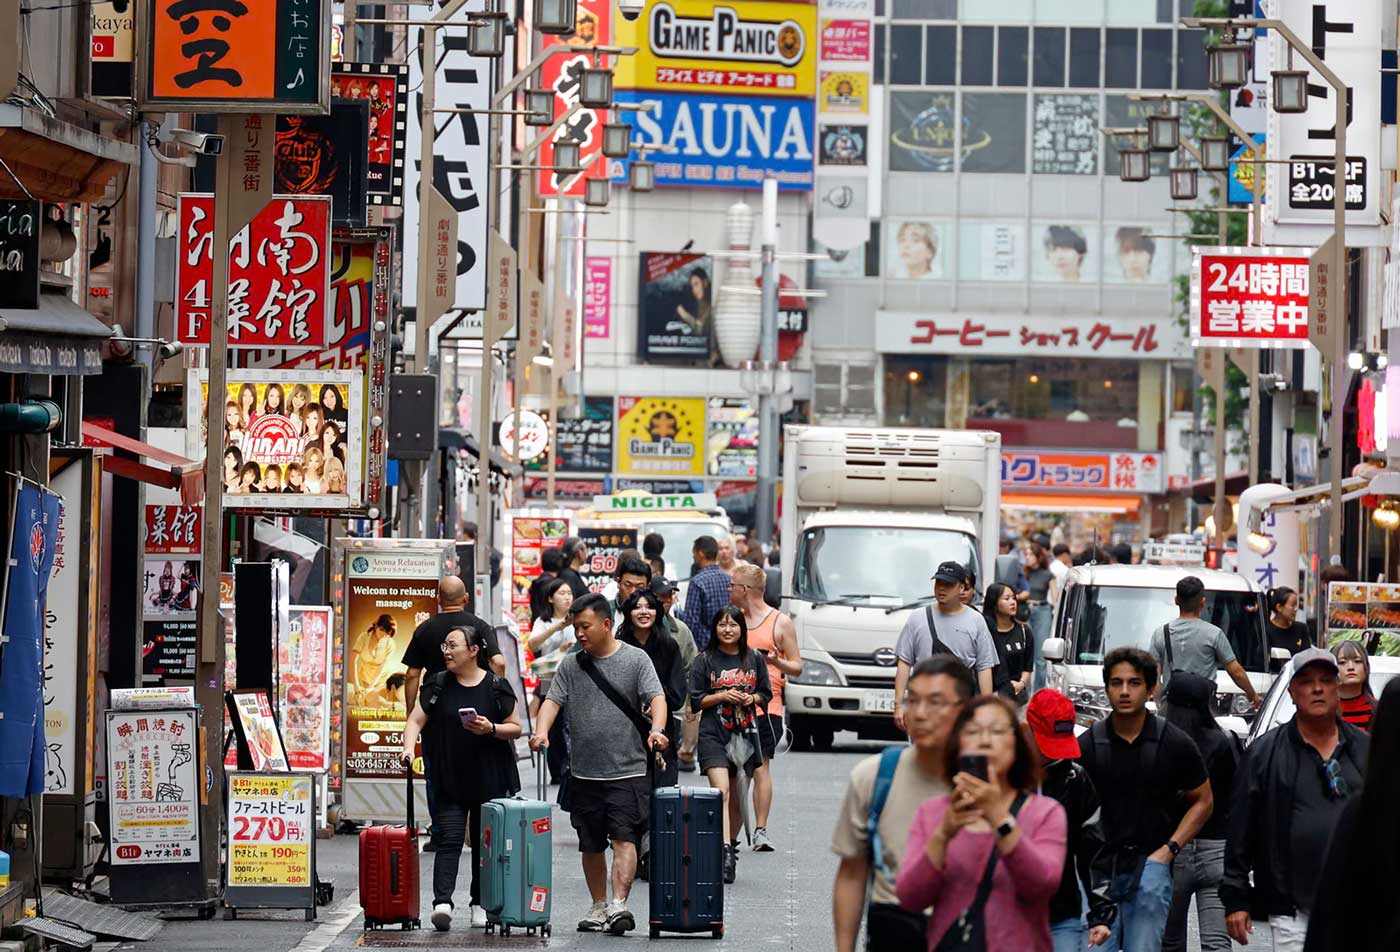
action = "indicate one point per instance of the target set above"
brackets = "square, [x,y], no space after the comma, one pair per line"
[1386,516]
[596,192]
[1215,153]
[566,157]
[1183,183]
[1228,65]
[487,37]
[617,140]
[1134,165]
[1163,132]
[1290,91]
[595,87]
[641,177]
[539,107]
[555,17]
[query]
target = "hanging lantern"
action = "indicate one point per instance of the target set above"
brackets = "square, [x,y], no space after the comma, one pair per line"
[1215,153]
[595,87]
[738,317]
[1228,65]
[1134,165]
[555,17]
[566,159]
[487,38]
[642,176]
[539,107]
[1183,183]
[1163,132]
[617,140]
[1290,92]
[596,192]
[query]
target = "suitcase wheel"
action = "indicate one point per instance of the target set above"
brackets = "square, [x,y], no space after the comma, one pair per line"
[505,929]
[490,928]
[717,932]
[370,922]
[546,930]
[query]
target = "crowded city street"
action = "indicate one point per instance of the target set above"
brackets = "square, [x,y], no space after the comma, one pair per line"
[852,475]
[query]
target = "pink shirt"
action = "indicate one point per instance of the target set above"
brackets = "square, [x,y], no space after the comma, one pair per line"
[1018,909]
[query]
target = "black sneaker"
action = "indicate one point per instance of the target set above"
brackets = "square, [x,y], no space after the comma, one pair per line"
[430,845]
[731,861]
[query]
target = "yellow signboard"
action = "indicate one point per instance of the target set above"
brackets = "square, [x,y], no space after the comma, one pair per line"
[754,48]
[844,91]
[271,828]
[661,436]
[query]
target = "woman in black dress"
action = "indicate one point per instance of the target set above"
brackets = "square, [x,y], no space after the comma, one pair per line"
[472,720]
[1011,678]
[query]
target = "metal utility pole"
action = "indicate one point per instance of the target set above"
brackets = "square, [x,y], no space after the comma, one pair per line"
[768,422]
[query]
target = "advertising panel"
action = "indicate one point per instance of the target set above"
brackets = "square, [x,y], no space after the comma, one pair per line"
[258,729]
[1065,138]
[584,445]
[385,87]
[234,57]
[843,144]
[1299,209]
[113,48]
[1132,256]
[463,82]
[724,141]
[705,46]
[170,600]
[597,297]
[844,91]
[1048,335]
[304,660]
[660,436]
[987,251]
[1068,253]
[153,786]
[326,155]
[917,250]
[293,439]
[173,530]
[845,41]
[20,223]
[1115,472]
[531,532]
[592,26]
[271,822]
[279,273]
[731,448]
[70,629]
[1249,297]
[675,308]
[389,592]
[604,548]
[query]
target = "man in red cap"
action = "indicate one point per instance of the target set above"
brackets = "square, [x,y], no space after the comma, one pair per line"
[1051,718]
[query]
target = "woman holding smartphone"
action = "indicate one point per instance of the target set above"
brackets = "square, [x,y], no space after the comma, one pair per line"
[988,856]
[472,718]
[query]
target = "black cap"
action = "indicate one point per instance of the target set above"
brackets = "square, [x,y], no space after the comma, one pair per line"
[954,572]
[661,585]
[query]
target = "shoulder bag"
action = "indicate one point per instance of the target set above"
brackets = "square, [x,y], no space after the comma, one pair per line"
[968,933]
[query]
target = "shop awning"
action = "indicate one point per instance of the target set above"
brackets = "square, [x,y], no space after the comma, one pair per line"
[58,337]
[455,438]
[1071,502]
[178,473]
[57,161]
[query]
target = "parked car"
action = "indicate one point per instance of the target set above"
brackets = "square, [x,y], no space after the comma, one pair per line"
[1278,704]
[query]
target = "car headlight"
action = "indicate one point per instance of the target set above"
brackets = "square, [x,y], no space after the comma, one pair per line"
[1089,697]
[1240,706]
[817,673]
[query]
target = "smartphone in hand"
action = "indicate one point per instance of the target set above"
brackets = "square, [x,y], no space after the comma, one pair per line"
[974,765]
[468,714]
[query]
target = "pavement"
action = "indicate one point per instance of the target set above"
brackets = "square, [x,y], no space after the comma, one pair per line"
[782,900]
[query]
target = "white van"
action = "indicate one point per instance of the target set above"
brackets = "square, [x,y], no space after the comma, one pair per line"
[1103,607]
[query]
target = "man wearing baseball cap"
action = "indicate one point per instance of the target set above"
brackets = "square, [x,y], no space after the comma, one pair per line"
[1289,791]
[952,628]
[1050,716]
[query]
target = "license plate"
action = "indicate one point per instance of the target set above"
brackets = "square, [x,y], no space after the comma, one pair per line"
[880,702]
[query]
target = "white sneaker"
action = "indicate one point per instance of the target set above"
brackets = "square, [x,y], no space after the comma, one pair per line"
[478,917]
[761,843]
[442,917]
[620,919]
[596,919]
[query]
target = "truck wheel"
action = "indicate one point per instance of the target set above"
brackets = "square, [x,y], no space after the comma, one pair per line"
[822,739]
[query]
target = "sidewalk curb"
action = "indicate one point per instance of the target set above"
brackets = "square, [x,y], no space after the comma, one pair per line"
[341,915]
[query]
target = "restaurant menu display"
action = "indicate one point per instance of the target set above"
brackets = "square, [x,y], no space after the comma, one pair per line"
[304,661]
[271,827]
[604,547]
[259,729]
[531,532]
[153,786]
[1365,611]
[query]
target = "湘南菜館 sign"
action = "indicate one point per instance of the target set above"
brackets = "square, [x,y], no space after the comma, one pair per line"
[1249,297]
[724,141]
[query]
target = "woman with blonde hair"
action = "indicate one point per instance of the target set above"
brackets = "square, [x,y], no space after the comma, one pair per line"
[313,468]
[301,398]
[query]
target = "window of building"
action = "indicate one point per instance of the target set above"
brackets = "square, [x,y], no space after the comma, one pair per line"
[916,391]
[924,9]
[1191,59]
[879,54]
[978,55]
[1013,55]
[906,55]
[1156,59]
[1084,58]
[998,132]
[1054,389]
[1049,56]
[940,55]
[1120,59]
[843,393]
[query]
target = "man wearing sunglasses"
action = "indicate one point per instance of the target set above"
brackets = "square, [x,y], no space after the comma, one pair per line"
[1289,790]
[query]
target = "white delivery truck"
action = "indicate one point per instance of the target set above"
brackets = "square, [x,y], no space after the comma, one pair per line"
[867,516]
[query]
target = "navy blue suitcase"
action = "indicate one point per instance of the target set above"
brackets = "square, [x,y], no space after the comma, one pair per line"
[687,861]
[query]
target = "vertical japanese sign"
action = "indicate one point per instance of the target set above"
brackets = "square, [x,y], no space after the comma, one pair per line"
[234,57]
[845,70]
[1249,297]
[246,179]
[68,633]
[562,73]
[532,323]
[1346,35]
[501,311]
[597,297]
[441,222]
[385,87]
[271,822]
[153,786]
[605,546]
[463,82]
[388,593]
[170,592]
[279,273]
[531,532]
[304,661]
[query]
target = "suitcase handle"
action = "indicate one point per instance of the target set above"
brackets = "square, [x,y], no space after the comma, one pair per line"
[541,765]
[412,827]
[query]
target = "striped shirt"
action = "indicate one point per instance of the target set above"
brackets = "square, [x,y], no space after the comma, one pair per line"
[1357,711]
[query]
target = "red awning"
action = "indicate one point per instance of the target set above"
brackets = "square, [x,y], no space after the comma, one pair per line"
[178,473]
[1071,502]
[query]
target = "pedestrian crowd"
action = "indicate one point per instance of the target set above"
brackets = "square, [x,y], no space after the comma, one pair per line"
[1004,824]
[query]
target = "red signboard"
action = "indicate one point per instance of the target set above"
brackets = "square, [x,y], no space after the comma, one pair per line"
[845,41]
[1249,297]
[279,273]
[562,73]
[172,530]
[1114,471]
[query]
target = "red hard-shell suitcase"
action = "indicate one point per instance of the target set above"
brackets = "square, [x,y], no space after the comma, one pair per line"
[389,872]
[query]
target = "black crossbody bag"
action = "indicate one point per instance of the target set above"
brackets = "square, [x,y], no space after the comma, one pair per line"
[968,933]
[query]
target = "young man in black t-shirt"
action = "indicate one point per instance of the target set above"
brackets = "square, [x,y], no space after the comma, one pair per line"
[1144,769]
[424,657]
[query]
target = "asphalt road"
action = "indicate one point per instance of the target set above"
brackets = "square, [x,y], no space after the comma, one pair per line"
[782,900]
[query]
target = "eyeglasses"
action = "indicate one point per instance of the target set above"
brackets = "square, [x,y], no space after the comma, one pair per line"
[450,646]
[934,703]
[1337,787]
[979,731]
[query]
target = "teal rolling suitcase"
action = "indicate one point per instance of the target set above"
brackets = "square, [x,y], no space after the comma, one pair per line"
[517,857]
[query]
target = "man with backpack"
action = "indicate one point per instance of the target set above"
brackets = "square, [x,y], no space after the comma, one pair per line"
[1190,643]
[872,828]
[1155,795]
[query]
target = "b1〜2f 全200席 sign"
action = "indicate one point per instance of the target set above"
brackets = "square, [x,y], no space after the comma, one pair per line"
[1249,297]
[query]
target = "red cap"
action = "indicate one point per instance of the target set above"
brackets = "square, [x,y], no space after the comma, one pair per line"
[1051,718]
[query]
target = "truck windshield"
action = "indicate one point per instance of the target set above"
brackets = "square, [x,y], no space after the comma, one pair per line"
[869,564]
[680,537]
[1108,617]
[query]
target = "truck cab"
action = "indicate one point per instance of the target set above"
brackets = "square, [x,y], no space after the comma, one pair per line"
[867,517]
[679,518]
[1103,607]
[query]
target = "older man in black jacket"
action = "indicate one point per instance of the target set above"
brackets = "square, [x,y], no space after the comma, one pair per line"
[1289,791]
[1051,718]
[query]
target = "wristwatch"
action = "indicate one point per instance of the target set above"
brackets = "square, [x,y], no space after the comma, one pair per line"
[1174,846]
[1006,826]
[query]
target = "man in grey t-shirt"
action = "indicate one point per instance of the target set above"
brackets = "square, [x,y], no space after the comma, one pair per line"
[1196,645]
[961,631]
[608,760]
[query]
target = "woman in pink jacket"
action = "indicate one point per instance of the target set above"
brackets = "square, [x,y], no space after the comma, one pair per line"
[989,856]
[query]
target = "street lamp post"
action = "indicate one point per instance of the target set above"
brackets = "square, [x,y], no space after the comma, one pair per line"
[1339,214]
